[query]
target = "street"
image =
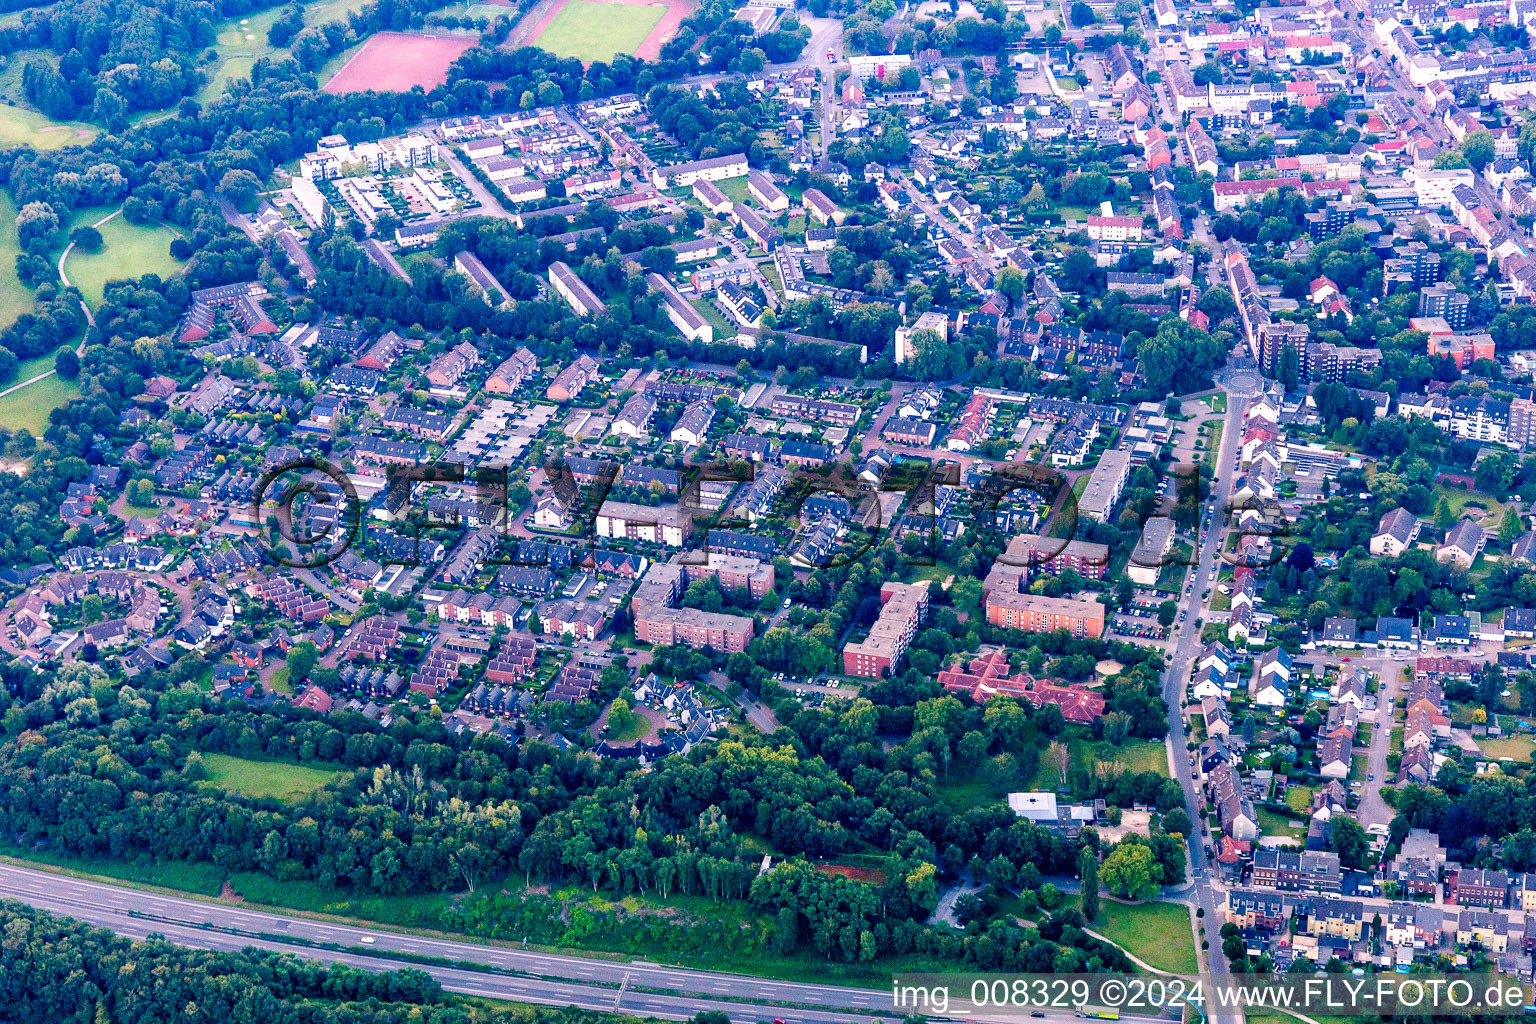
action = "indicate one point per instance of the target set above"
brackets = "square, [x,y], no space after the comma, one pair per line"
[1204,877]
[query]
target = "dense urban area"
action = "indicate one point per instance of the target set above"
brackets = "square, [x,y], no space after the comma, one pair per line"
[559,511]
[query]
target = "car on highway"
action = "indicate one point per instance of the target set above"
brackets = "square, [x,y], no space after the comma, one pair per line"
[367,940]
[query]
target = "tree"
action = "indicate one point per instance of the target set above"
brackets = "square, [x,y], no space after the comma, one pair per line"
[1444,517]
[241,186]
[1477,147]
[1129,872]
[1088,873]
[1010,282]
[1510,526]
[1176,822]
[86,238]
[1347,838]
[302,659]
[67,363]
[1167,611]
[1082,15]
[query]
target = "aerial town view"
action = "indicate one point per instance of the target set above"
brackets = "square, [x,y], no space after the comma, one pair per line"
[611,511]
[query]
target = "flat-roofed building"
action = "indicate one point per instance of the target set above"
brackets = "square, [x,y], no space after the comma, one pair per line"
[1151,552]
[903,606]
[623,521]
[1034,613]
[656,624]
[1105,485]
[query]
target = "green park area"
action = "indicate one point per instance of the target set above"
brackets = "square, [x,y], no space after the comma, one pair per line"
[126,250]
[597,31]
[1157,933]
[242,41]
[15,297]
[279,780]
[28,408]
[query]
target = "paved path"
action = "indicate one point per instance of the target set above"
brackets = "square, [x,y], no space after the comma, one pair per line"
[90,318]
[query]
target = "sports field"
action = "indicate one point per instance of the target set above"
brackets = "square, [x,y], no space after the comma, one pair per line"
[128,250]
[397,61]
[592,31]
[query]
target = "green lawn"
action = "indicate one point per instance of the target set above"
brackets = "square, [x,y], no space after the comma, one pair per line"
[127,250]
[1158,933]
[1273,824]
[15,297]
[596,31]
[1133,755]
[1517,747]
[1458,500]
[22,127]
[1299,799]
[29,407]
[735,188]
[277,779]
[239,43]
[638,726]
[279,683]
[722,326]
[29,368]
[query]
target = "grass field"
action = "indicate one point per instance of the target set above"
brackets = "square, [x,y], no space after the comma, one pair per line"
[1133,755]
[22,127]
[127,250]
[597,31]
[1158,933]
[203,879]
[1273,824]
[277,779]
[240,43]
[29,407]
[1517,747]
[15,297]
[29,368]
[706,309]
[966,792]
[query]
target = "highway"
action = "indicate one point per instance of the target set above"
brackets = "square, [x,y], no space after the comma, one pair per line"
[634,987]
[513,974]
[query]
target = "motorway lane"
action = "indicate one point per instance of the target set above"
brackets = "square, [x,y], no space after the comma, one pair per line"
[136,913]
